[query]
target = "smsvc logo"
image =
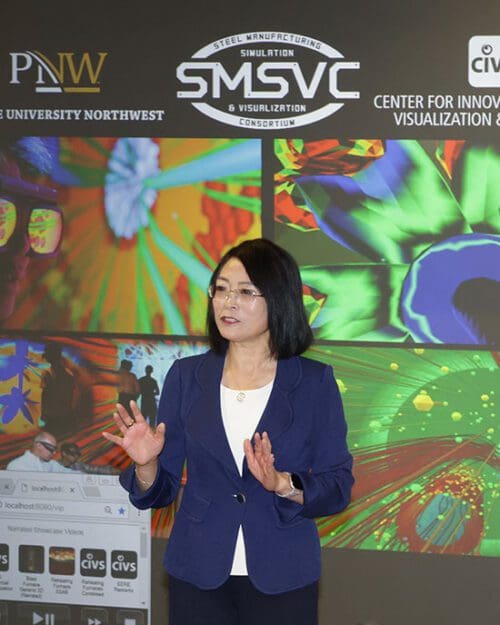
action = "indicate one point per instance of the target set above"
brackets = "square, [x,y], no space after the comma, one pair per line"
[484,61]
[267,80]
[68,72]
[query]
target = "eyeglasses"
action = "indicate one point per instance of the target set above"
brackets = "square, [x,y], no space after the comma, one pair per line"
[221,292]
[73,453]
[45,221]
[48,446]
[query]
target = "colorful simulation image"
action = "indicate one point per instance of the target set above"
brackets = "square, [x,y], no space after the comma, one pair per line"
[397,240]
[57,396]
[423,430]
[120,235]
[424,433]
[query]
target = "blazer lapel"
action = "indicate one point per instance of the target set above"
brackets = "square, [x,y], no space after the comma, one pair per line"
[278,415]
[205,418]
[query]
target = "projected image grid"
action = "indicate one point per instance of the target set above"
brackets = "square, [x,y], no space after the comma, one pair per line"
[397,242]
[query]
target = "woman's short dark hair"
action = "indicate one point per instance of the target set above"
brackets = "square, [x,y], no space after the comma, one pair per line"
[275,273]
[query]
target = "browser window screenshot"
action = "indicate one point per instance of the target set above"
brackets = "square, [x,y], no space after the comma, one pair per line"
[73,550]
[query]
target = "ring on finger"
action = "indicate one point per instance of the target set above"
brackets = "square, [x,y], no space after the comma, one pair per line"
[129,425]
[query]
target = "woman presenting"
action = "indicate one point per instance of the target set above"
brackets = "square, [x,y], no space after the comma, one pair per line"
[264,436]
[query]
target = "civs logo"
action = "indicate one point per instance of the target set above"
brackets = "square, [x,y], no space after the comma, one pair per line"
[268,80]
[4,557]
[484,61]
[67,72]
[92,562]
[124,564]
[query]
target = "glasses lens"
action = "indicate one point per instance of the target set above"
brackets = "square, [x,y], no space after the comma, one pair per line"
[218,291]
[247,295]
[48,446]
[8,220]
[221,291]
[45,230]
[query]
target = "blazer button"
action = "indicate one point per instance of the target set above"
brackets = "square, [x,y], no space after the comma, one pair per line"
[240,498]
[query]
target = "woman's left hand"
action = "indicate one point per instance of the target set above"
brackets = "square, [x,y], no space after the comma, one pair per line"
[260,460]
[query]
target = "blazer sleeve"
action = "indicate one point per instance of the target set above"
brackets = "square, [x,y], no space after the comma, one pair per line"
[171,459]
[328,482]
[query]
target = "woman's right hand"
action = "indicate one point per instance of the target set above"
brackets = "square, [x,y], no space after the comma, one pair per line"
[139,440]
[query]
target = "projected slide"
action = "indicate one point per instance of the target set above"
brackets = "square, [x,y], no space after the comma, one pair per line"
[398,240]
[145,221]
[423,429]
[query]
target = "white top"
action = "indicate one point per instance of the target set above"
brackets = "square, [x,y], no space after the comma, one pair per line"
[241,412]
[29,462]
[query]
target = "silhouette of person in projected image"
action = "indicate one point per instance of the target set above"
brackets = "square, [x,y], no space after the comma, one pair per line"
[149,391]
[58,393]
[128,385]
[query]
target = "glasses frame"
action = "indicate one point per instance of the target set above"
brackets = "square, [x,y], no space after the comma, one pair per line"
[12,188]
[212,293]
[48,446]
[73,453]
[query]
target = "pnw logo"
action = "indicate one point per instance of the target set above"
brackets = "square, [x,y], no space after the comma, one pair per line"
[267,80]
[68,72]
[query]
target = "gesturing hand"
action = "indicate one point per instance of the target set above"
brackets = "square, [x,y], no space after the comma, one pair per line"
[141,442]
[260,460]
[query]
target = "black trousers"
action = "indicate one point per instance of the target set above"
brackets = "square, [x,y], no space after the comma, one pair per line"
[238,602]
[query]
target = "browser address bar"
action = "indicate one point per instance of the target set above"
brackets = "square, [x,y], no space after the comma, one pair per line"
[80,509]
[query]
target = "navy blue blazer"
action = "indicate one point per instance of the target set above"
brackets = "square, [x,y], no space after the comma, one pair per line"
[305,422]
